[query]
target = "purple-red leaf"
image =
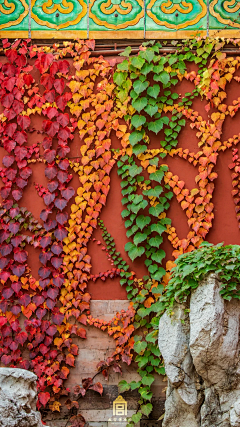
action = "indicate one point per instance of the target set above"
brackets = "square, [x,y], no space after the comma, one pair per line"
[50,172]
[60,203]
[60,233]
[18,270]
[67,193]
[44,272]
[56,262]
[57,318]
[62,217]
[14,227]
[45,241]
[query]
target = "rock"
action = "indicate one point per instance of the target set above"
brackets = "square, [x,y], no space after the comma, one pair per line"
[18,396]
[183,398]
[201,355]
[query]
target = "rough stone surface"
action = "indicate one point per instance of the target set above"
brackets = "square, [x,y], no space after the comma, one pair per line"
[18,395]
[201,354]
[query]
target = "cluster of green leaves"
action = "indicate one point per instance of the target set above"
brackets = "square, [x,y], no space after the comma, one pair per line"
[148,81]
[133,78]
[147,353]
[146,230]
[192,267]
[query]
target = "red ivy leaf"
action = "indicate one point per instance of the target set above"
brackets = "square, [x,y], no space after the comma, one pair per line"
[70,359]
[21,337]
[18,270]
[52,330]
[23,122]
[57,318]
[14,227]
[59,85]
[60,233]
[17,194]
[67,193]
[7,100]
[44,397]
[97,387]
[8,161]
[25,300]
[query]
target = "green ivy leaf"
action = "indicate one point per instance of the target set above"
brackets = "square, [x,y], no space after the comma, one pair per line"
[139,86]
[147,409]
[141,361]
[140,346]
[157,176]
[145,394]
[151,109]
[123,66]
[123,386]
[159,228]
[136,417]
[142,205]
[142,221]
[164,77]
[138,62]
[136,136]
[153,192]
[135,170]
[139,104]
[147,54]
[119,78]
[159,274]
[158,256]
[152,336]
[126,51]
[147,68]
[138,121]
[155,241]
[153,91]
[156,210]
[135,252]
[135,385]
[139,238]
[158,124]
[138,149]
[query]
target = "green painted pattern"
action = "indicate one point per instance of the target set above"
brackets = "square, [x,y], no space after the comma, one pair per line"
[121,18]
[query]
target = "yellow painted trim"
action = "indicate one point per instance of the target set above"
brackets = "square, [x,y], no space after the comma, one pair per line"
[220,19]
[20,18]
[174,34]
[70,34]
[67,24]
[174,26]
[233,34]
[49,8]
[116,34]
[120,26]
[10,34]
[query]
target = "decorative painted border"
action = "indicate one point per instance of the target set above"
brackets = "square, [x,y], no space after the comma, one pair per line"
[217,15]
[173,26]
[120,26]
[20,18]
[58,27]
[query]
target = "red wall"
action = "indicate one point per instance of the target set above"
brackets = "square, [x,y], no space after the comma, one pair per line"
[225,226]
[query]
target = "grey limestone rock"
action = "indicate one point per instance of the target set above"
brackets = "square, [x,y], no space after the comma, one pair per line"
[18,396]
[201,354]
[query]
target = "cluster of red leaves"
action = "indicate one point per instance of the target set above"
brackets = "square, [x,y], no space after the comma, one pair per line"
[80,102]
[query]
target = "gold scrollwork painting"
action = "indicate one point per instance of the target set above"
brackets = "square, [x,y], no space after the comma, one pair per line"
[68,12]
[12,12]
[116,14]
[189,13]
[226,12]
